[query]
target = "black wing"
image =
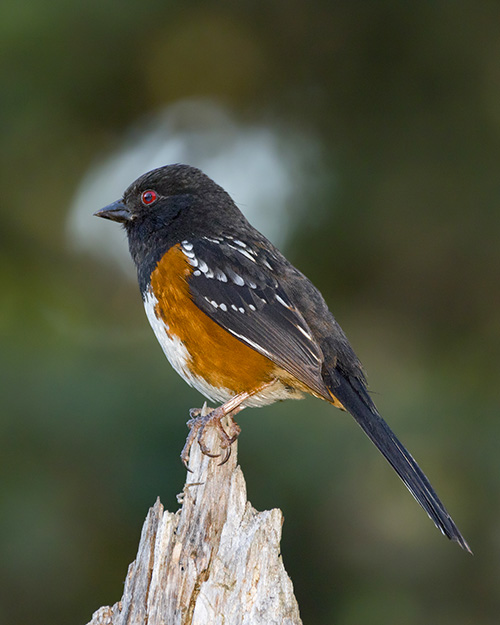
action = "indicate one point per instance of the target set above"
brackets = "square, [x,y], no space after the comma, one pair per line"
[233,283]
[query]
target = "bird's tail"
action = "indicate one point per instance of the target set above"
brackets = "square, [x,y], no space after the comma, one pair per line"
[355,399]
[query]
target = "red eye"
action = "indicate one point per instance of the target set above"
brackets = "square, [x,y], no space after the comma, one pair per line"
[148,197]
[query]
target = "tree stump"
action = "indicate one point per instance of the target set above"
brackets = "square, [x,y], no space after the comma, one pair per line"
[216,561]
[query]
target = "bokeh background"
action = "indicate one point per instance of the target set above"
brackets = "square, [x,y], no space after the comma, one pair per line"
[365,139]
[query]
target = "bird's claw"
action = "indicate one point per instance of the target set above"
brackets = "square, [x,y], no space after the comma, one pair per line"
[198,423]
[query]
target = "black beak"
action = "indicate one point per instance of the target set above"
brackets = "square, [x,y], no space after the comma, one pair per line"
[117,211]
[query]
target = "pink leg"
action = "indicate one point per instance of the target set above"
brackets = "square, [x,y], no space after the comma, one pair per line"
[198,423]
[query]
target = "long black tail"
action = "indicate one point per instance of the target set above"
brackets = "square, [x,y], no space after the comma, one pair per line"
[356,400]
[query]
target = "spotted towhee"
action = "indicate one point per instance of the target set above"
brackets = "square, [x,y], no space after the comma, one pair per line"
[238,322]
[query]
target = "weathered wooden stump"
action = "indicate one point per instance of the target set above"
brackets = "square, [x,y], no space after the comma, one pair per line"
[216,561]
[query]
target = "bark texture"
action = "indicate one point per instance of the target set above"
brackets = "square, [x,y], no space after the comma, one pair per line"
[215,561]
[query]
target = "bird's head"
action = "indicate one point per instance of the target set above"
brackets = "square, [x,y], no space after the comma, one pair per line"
[170,204]
[159,196]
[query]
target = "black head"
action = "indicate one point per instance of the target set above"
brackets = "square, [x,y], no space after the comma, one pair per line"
[169,204]
[158,194]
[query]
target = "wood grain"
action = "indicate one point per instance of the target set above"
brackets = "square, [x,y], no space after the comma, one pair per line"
[215,561]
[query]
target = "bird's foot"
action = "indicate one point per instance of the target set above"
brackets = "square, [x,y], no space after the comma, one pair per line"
[198,423]
[200,419]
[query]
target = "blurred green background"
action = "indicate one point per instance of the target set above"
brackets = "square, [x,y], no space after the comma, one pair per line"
[400,231]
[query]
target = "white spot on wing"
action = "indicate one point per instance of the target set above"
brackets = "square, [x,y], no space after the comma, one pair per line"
[223,307]
[245,253]
[306,334]
[256,346]
[220,275]
[281,301]
[238,280]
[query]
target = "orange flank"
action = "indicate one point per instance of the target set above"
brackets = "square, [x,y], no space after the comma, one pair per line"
[216,356]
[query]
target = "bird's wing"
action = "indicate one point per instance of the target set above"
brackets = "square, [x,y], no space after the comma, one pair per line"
[233,283]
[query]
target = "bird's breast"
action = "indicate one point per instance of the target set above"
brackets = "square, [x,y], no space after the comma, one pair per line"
[204,354]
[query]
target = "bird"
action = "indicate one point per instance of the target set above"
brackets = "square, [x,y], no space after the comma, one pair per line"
[239,322]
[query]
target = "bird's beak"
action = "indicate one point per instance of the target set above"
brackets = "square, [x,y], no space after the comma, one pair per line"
[117,211]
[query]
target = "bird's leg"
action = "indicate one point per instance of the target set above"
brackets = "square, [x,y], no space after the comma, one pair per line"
[226,440]
[199,421]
